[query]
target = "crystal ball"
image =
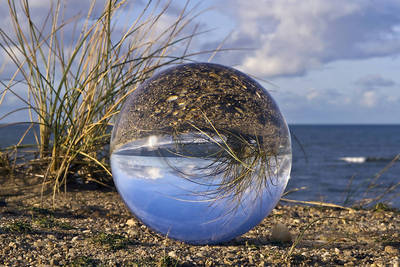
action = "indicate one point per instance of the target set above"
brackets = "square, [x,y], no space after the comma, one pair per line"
[200,153]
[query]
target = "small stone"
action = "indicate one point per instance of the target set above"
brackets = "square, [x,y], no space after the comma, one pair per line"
[172,254]
[337,251]
[391,250]
[88,231]
[325,255]
[200,254]
[12,245]
[52,237]
[131,222]
[347,253]
[230,256]
[281,234]
[37,243]
[74,239]
[172,98]
[251,260]
[208,263]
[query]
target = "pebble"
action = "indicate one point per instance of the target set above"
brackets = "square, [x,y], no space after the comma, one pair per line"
[37,243]
[281,234]
[132,232]
[12,245]
[200,254]
[172,254]
[325,255]
[347,253]
[131,222]
[172,98]
[391,250]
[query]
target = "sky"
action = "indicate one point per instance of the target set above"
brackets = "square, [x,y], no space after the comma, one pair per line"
[324,62]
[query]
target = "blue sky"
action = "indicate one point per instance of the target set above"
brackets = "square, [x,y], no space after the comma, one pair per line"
[328,61]
[331,61]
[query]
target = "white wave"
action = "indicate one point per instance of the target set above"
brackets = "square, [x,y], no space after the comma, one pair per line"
[354,159]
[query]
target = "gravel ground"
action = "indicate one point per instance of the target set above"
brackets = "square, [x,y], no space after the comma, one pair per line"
[93,227]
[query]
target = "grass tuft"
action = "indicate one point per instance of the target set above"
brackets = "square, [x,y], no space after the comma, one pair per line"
[73,90]
[19,227]
[167,261]
[380,206]
[111,241]
[5,164]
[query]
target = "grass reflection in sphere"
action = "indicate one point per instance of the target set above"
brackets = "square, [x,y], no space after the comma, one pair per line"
[200,153]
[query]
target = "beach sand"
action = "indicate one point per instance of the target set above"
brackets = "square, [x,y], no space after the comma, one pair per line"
[90,227]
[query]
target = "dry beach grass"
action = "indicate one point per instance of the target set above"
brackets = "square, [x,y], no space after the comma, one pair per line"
[91,227]
[71,74]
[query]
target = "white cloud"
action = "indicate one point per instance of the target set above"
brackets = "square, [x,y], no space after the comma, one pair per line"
[369,99]
[142,172]
[291,37]
[152,173]
[134,170]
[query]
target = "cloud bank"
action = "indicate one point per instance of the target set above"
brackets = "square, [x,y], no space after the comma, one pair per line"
[290,37]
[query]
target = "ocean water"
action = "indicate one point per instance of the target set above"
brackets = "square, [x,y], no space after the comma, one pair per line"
[340,161]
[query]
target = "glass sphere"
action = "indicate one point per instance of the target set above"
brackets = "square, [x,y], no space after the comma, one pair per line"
[200,153]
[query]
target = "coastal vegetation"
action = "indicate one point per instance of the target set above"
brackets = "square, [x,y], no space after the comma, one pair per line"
[75,72]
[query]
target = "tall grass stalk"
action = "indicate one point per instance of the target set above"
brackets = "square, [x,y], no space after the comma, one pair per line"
[300,236]
[374,191]
[73,90]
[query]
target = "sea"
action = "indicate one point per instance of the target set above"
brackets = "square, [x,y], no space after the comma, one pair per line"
[340,164]
[344,164]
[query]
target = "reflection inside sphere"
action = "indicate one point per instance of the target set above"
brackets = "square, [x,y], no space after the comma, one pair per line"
[200,153]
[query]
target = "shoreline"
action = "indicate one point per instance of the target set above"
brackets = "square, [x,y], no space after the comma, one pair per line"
[82,230]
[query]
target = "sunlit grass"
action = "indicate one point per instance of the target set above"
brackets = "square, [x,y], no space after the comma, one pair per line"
[73,90]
